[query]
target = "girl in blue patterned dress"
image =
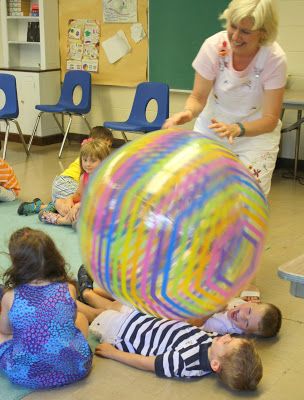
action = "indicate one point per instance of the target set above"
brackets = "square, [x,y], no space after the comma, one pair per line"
[42,337]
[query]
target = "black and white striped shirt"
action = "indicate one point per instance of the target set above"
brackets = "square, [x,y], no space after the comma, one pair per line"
[181,350]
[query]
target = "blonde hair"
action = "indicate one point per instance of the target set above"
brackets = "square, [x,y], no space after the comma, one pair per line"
[271,321]
[262,12]
[242,368]
[94,148]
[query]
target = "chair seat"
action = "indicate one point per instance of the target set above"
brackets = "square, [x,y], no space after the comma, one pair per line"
[8,114]
[59,108]
[52,108]
[135,126]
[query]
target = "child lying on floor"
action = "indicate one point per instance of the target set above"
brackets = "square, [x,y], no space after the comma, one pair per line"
[172,349]
[241,317]
[244,317]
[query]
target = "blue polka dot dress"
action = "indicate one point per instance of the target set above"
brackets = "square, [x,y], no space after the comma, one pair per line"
[46,350]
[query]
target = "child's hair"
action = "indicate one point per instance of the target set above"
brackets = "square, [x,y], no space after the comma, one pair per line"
[100,132]
[242,368]
[34,256]
[271,321]
[94,148]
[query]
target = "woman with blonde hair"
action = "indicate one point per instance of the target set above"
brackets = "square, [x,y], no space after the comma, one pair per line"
[240,75]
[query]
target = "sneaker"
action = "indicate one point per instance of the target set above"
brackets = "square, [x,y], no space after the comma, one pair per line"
[50,207]
[28,208]
[84,282]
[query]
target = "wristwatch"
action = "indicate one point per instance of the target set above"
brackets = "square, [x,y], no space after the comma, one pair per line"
[242,129]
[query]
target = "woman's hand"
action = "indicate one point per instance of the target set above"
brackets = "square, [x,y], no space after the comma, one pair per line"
[225,130]
[179,118]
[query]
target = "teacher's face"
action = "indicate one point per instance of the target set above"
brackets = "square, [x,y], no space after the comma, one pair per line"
[243,40]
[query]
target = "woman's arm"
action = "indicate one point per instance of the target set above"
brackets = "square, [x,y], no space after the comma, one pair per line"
[146,363]
[272,106]
[194,104]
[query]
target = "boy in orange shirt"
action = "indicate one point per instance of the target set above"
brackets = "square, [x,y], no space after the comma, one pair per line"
[9,185]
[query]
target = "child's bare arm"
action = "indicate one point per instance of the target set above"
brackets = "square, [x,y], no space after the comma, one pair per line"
[198,321]
[6,303]
[146,363]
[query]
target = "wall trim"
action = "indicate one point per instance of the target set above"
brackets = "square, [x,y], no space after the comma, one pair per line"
[46,140]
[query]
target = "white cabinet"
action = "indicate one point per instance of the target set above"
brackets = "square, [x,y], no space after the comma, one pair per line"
[40,87]
[18,52]
[36,65]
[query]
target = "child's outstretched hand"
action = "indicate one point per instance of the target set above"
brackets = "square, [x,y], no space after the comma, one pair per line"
[106,350]
[251,294]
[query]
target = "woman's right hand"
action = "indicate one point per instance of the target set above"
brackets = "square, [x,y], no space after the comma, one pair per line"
[179,118]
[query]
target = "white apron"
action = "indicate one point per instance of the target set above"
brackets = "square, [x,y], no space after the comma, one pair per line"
[236,98]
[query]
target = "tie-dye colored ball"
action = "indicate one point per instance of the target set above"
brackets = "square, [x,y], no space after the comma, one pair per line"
[173,224]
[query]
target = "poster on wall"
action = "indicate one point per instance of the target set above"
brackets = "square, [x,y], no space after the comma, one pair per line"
[119,11]
[83,45]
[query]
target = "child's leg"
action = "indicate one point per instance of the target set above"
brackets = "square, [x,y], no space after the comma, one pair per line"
[7,194]
[34,207]
[103,293]
[99,302]
[64,205]
[90,312]
[82,324]
[52,218]
[62,188]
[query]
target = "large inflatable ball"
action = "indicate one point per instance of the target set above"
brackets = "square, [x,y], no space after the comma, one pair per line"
[173,224]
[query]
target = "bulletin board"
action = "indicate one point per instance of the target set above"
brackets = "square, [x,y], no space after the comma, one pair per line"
[177,29]
[130,69]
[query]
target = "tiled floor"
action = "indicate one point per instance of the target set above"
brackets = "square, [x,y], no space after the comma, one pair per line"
[283,357]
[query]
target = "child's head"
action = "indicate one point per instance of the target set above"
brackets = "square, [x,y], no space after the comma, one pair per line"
[236,362]
[92,152]
[261,319]
[34,256]
[100,132]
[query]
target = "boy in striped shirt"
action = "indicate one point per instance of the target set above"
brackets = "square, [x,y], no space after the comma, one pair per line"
[9,185]
[172,349]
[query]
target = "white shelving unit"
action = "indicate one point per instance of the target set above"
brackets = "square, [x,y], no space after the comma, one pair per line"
[36,65]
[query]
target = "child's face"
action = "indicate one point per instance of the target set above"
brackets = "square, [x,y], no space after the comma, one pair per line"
[89,164]
[222,346]
[247,316]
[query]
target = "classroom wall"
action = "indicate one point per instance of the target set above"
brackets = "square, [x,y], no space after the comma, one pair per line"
[291,34]
[114,103]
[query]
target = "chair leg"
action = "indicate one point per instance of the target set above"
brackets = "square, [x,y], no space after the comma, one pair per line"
[21,136]
[34,130]
[124,136]
[5,139]
[86,121]
[65,136]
